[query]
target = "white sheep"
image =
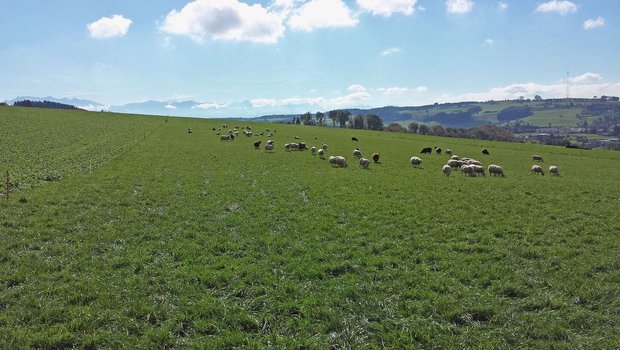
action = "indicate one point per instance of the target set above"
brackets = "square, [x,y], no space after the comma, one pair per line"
[538,158]
[338,161]
[467,170]
[357,153]
[312,150]
[228,137]
[448,151]
[415,161]
[478,169]
[537,169]
[454,163]
[324,146]
[455,157]
[321,153]
[554,170]
[269,147]
[495,170]
[287,146]
[446,169]
[364,163]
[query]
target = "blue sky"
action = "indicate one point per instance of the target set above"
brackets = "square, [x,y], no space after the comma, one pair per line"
[286,55]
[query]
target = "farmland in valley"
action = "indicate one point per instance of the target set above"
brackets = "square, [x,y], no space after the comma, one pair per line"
[130,232]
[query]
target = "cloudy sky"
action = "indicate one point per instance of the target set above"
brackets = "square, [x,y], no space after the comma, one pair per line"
[325,53]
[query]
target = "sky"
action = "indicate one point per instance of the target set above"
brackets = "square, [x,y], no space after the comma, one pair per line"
[327,54]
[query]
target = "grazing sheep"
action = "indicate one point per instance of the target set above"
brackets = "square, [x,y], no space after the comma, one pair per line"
[321,153]
[467,170]
[324,146]
[297,138]
[294,146]
[478,169]
[485,151]
[453,163]
[270,142]
[455,157]
[415,161]
[448,151]
[537,169]
[495,170]
[354,139]
[269,147]
[287,146]
[302,146]
[312,150]
[316,137]
[338,161]
[437,150]
[472,162]
[257,144]
[364,163]
[357,153]
[428,150]
[446,169]
[228,137]
[554,170]
[189,130]
[537,158]
[375,157]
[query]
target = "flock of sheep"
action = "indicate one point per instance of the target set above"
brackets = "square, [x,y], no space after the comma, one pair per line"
[467,166]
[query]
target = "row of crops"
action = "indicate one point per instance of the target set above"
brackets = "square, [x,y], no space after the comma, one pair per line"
[40,145]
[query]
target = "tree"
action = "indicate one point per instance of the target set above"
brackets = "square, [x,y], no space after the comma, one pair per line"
[374,122]
[424,129]
[333,115]
[358,122]
[320,119]
[413,127]
[438,130]
[343,117]
[537,98]
[306,118]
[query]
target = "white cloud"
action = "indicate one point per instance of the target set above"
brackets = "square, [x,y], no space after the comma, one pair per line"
[225,20]
[208,105]
[356,88]
[356,97]
[586,78]
[109,27]
[459,6]
[387,7]
[396,90]
[322,14]
[390,51]
[585,85]
[502,5]
[488,42]
[263,102]
[594,23]
[170,106]
[562,7]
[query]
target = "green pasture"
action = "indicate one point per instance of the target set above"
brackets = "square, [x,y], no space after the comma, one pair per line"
[555,117]
[176,240]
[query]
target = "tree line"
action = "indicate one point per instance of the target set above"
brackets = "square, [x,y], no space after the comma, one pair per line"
[344,119]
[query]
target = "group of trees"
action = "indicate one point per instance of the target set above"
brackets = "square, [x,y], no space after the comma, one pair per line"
[341,118]
[43,104]
[485,132]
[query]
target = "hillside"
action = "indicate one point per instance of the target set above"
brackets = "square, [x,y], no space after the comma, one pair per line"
[180,240]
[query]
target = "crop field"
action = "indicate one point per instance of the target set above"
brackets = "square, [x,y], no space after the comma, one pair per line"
[177,240]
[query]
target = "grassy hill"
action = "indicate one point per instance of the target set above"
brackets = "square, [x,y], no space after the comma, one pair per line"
[178,240]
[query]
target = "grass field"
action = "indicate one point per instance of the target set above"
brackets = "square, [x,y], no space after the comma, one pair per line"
[180,240]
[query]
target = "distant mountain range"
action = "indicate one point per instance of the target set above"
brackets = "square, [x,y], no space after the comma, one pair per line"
[188,108]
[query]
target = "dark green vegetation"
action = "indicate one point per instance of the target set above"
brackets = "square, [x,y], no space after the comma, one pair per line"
[183,241]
